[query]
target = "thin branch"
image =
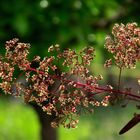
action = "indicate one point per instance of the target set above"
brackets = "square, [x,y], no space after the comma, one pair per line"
[88,87]
[119,79]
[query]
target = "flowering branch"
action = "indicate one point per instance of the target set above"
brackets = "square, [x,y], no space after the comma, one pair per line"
[67,92]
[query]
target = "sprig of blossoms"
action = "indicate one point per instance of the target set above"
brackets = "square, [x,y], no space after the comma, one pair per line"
[124,44]
[67,93]
[64,94]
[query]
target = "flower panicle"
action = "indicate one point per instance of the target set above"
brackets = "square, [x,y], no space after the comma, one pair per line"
[70,92]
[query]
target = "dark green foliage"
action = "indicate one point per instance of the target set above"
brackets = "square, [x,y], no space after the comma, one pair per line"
[68,23]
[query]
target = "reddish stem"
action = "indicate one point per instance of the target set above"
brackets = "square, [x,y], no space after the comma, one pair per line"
[89,87]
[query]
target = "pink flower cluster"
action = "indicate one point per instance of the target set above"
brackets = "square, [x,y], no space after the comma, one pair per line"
[72,89]
[124,45]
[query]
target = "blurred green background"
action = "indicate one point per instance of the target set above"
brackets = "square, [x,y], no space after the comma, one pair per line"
[74,24]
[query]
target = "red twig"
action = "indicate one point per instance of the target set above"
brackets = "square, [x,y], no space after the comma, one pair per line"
[89,87]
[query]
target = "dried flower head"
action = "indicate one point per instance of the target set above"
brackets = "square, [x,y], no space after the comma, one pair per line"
[68,93]
[124,45]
